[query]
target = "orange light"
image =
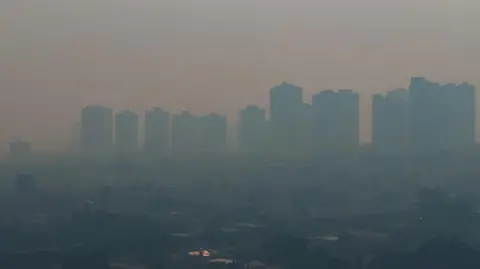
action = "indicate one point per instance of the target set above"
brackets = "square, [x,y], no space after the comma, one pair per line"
[194,253]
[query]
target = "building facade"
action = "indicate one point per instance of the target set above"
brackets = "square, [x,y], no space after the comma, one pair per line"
[185,133]
[157,132]
[126,132]
[286,109]
[97,130]
[212,131]
[442,117]
[390,122]
[335,121]
[252,130]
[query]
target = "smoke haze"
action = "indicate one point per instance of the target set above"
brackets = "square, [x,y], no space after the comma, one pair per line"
[57,56]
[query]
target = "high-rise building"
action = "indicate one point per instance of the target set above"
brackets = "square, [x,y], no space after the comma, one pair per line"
[157,132]
[252,129]
[286,107]
[458,101]
[390,122]
[212,130]
[442,117]
[348,112]
[324,121]
[126,132]
[306,128]
[185,134]
[380,123]
[427,124]
[97,130]
[335,121]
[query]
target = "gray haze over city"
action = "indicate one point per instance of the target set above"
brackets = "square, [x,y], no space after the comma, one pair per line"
[57,57]
[239,134]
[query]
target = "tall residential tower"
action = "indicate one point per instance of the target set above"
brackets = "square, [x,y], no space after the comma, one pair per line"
[157,132]
[252,130]
[286,111]
[97,130]
[185,133]
[126,132]
[335,120]
[442,117]
[390,122]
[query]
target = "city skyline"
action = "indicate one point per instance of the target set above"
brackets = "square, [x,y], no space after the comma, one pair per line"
[58,57]
[67,141]
[259,134]
[426,116]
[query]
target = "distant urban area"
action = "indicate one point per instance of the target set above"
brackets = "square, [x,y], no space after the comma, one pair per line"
[427,117]
[299,191]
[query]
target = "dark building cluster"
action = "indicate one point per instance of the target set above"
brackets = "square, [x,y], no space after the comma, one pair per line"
[105,133]
[329,124]
[427,117]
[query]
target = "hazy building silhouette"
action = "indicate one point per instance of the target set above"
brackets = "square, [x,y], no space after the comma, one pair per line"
[212,131]
[97,129]
[286,106]
[306,128]
[335,121]
[252,129]
[185,133]
[126,132]
[324,120]
[349,119]
[459,108]
[390,122]
[427,125]
[442,117]
[20,149]
[157,132]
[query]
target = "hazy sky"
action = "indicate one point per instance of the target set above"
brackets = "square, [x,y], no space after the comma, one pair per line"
[57,56]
